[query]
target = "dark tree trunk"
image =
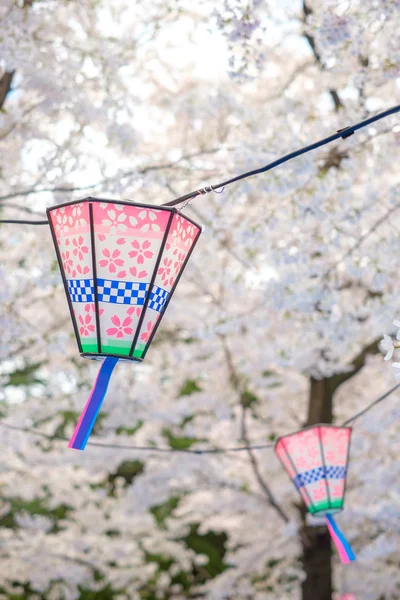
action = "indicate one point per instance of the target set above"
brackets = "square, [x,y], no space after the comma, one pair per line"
[316,544]
[316,541]
[316,561]
[5,86]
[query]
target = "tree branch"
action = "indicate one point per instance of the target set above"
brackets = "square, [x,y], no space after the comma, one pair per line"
[141,171]
[363,237]
[5,86]
[237,386]
[356,364]
[310,39]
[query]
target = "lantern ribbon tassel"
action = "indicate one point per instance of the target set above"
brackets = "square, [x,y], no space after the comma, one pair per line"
[89,414]
[343,547]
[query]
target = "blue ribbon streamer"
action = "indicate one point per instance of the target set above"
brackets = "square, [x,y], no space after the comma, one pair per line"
[85,425]
[340,537]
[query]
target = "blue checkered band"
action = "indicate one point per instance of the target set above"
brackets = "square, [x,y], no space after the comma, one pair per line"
[128,292]
[122,292]
[319,473]
[158,298]
[117,292]
[81,290]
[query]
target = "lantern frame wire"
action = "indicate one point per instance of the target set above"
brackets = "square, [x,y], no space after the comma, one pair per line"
[94,267]
[64,279]
[331,509]
[90,200]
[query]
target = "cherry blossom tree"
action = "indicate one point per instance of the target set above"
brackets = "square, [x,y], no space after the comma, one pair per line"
[276,322]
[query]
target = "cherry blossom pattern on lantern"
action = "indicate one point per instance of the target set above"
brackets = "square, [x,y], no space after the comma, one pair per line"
[77,215]
[337,489]
[146,334]
[134,310]
[92,307]
[184,232]
[319,491]
[79,248]
[112,261]
[115,222]
[81,270]
[165,271]
[111,206]
[139,274]
[120,329]
[147,220]
[67,262]
[180,257]
[61,224]
[141,251]
[86,325]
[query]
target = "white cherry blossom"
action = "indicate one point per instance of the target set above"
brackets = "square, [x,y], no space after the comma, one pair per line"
[115,222]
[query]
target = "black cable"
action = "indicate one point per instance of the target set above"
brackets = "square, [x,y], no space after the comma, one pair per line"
[342,133]
[141,448]
[187,450]
[366,409]
[24,222]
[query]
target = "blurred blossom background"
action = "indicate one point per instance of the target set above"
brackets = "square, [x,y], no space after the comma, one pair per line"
[277,322]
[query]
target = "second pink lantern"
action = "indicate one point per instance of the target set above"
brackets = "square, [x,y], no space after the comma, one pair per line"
[316,459]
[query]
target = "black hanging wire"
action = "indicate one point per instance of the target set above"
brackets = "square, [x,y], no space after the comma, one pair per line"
[341,133]
[188,450]
[367,408]
[24,222]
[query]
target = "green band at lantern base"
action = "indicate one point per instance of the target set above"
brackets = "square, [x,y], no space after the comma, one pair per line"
[326,507]
[114,347]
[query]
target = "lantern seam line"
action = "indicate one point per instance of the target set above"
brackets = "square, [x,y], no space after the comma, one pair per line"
[94,267]
[328,493]
[347,461]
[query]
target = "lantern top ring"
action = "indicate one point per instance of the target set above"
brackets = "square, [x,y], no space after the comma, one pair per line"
[90,199]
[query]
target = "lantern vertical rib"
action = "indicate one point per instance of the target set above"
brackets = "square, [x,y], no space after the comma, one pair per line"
[64,279]
[297,473]
[96,293]
[346,467]
[151,284]
[324,467]
[172,291]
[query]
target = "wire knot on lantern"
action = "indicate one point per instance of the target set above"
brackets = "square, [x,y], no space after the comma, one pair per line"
[120,263]
[316,459]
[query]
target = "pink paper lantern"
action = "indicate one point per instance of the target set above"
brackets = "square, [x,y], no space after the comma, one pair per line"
[120,263]
[316,459]
[348,597]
